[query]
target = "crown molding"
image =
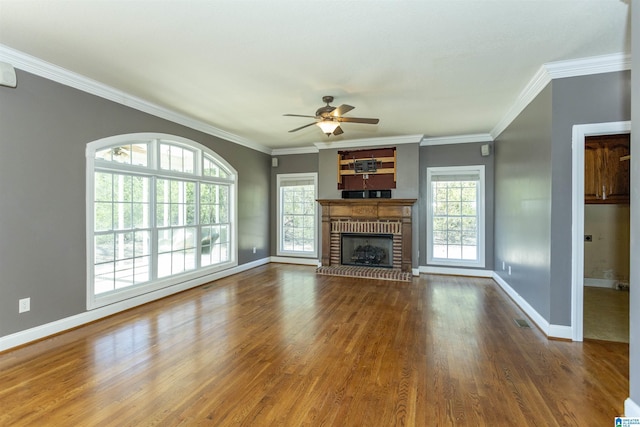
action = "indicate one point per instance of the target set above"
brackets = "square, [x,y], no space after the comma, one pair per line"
[457,139]
[63,76]
[295,150]
[587,66]
[371,142]
[545,74]
[539,81]
[558,70]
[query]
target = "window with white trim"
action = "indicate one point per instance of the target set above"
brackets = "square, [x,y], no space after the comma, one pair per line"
[161,211]
[297,214]
[455,216]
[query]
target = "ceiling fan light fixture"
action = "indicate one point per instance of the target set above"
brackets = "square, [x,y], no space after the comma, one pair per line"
[328,126]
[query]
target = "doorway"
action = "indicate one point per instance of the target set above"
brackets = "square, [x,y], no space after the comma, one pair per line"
[580,133]
[606,241]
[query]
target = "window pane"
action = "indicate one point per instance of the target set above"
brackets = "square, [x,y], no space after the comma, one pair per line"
[165,156]
[142,272]
[103,216]
[468,208]
[212,168]
[188,161]
[103,248]
[132,154]
[297,215]
[454,216]
[164,240]
[127,243]
[139,154]
[103,186]
[440,223]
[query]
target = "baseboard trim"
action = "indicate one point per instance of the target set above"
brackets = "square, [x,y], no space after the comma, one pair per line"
[291,260]
[48,329]
[540,321]
[453,271]
[560,332]
[631,408]
[551,331]
[600,283]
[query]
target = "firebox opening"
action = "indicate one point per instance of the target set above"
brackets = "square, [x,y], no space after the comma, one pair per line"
[370,250]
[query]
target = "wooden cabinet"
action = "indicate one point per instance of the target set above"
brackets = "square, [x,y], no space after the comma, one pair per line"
[606,169]
[371,169]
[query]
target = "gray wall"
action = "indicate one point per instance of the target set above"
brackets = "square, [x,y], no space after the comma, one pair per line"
[533,186]
[292,163]
[523,203]
[45,128]
[634,304]
[597,98]
[456,155]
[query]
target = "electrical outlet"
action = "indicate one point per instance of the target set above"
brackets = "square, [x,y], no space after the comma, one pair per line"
[254,249]
[504,266]
[509,270]
[24,305]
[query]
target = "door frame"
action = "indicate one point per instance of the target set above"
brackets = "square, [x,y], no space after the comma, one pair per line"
[579,133]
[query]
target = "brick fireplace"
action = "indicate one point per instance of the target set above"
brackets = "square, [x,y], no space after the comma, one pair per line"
[367,217]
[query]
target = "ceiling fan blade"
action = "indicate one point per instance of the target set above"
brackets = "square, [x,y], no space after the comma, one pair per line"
[338,131]
[298,115]
[302,127]
[339,111]
[358,120]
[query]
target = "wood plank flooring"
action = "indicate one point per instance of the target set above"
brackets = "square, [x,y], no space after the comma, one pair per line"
[281,346]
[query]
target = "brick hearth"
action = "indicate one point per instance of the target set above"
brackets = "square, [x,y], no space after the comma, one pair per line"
[367,216]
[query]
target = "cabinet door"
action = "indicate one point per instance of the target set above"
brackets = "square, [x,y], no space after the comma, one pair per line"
[616,173]
[606,177]
[593,165]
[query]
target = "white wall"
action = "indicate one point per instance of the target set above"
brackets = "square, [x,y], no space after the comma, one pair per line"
[606,257]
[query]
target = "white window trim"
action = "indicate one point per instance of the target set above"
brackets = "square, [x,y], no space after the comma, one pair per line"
[94,301]
[290,177]
[456,170]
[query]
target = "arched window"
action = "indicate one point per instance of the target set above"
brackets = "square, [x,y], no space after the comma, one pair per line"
[160,211]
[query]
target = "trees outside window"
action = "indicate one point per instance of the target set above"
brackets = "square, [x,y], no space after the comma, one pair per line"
[161,210]
[297,214]
[455,216]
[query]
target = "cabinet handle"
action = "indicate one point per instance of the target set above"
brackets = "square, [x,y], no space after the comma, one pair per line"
[604,192]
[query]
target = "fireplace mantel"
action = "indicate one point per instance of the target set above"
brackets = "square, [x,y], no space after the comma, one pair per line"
[376,213]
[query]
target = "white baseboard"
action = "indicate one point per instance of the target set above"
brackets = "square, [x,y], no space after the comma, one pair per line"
[292,260]
[631,408]
[453,271]
[553,331]
[600,283]
[560,331]
[42,331]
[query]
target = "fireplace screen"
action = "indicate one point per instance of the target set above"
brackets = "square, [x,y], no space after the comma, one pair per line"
[372,250]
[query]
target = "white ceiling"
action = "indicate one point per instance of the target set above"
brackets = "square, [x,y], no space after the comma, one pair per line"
[438,68]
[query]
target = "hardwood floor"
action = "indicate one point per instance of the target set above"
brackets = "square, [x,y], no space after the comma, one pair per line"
[280,345]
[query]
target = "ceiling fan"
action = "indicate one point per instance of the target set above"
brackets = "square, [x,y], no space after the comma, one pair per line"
[328,118]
